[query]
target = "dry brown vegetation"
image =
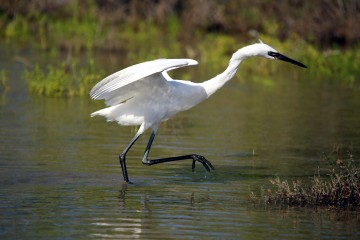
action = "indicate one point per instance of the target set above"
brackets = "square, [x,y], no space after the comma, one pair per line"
[337,186]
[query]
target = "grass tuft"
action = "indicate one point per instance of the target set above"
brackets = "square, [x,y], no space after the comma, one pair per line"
[339,187]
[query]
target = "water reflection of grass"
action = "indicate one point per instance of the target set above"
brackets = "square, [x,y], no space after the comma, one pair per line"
[339,187]
[4,85]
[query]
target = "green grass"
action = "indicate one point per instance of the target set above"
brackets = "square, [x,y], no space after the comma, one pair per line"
[82,26]
[63,80]
[213,53]
[146,40]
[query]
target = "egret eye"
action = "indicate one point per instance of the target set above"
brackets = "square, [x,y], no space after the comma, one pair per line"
[273,54]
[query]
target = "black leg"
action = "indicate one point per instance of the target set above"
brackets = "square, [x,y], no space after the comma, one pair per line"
[195,157]
[122,158]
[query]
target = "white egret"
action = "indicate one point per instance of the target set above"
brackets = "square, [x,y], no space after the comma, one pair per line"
[144,94]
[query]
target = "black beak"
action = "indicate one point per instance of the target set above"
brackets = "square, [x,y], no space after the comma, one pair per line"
[281,57]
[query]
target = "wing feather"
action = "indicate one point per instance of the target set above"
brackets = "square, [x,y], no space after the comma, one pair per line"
[108,87]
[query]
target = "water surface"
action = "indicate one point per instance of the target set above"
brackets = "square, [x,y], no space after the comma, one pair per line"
[60,176]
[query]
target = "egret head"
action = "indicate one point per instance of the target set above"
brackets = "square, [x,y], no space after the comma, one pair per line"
[263,50]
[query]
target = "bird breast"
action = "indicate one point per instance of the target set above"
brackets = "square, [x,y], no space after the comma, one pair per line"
[181,96]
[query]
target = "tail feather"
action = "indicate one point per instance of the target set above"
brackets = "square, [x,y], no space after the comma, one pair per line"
[105,112]
[118,113]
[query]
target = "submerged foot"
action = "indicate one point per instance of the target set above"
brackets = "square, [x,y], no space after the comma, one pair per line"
[206,163]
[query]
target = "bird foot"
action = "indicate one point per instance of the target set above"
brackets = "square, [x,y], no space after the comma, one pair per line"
[206,163]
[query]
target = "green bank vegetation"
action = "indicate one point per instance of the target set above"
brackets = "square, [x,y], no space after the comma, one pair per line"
[336,186]
[64,79]
[213,52]
[209,32]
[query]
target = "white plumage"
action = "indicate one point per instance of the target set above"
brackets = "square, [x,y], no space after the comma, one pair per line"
[144,94]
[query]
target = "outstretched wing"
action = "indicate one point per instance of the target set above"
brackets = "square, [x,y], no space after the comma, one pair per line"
[120,86]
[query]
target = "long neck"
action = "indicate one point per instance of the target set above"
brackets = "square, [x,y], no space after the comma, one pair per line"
[212,85]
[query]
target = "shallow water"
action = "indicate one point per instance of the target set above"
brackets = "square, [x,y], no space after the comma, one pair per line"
[60,176]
